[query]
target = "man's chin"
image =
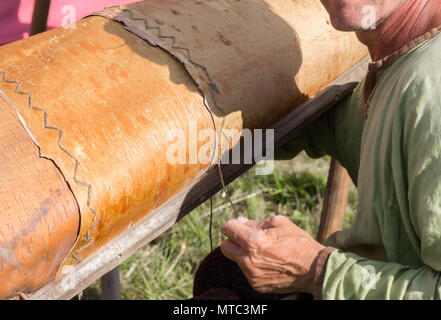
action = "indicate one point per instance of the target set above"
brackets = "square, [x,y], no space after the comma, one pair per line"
[346,26]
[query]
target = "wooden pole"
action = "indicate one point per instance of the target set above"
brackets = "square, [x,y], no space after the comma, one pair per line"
[336,199]
[39,17]
[110,285]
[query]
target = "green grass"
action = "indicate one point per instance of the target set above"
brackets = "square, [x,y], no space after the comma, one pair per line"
[165,268]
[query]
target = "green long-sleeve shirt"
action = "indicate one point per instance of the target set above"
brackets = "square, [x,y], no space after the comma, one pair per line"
[394,159]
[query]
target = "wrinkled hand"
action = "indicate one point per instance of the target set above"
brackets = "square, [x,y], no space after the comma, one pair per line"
[275,255]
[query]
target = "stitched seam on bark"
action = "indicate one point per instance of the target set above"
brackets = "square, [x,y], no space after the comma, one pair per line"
[213,90]
[211,84]
[87,236]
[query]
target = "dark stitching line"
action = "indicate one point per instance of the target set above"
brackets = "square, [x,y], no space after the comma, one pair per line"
[211,84]
[86,237]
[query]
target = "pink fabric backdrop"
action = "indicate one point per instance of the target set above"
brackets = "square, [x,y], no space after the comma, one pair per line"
[16,15]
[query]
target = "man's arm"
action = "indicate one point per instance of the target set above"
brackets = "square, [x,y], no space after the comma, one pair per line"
[281,257]
[337,133]
[347,275]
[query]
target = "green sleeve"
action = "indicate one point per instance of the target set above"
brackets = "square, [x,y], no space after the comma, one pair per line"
[351,277]
[418,184]
[328,135]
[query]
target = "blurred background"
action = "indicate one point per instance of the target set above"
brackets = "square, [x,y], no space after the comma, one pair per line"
[16,15]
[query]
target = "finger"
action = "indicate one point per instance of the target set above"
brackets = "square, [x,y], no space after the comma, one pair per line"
[243,220]
[237,232]
[255,224]
[252,224]
[260,225]
[231,250]
[278,221]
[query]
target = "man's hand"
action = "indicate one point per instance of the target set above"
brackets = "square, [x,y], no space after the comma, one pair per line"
[275,255]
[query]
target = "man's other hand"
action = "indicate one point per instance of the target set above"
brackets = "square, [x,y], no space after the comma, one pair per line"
[275,255]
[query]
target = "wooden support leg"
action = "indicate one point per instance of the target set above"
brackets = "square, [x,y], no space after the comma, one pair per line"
[110,286]
[336,199]
[39,17]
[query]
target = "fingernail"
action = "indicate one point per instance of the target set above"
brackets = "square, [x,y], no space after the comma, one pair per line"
[242,220]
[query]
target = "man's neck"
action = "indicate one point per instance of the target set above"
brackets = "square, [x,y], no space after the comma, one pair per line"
[413,19]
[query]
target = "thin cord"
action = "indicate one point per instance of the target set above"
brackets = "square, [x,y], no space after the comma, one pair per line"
[224,187]
[211,224]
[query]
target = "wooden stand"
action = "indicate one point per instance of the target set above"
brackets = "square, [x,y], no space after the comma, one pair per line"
[335,201]
[110,286]
[39,16]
